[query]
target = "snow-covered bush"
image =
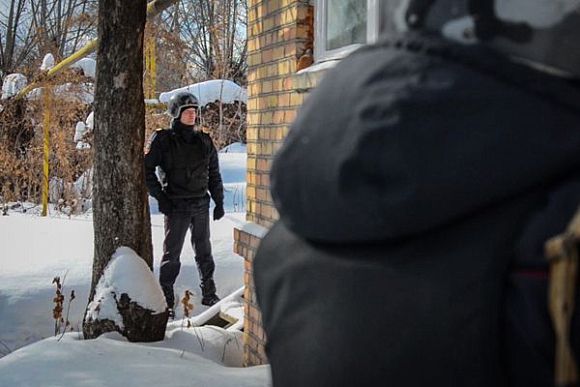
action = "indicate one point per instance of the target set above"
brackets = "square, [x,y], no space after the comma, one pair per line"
[22,139]
[13,83]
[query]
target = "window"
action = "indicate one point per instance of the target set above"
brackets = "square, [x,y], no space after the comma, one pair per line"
[344,25]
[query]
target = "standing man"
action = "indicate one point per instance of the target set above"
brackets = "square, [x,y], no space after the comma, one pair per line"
[187,165]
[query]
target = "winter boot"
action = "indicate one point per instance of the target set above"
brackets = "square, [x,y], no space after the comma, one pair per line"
[208,290]
[210,300]
[169,296]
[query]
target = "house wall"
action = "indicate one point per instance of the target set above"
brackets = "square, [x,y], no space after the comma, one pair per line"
[280,40]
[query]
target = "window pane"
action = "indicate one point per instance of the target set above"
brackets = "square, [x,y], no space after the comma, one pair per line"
[346,23]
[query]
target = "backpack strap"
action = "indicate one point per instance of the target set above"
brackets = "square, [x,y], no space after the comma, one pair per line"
[562,253]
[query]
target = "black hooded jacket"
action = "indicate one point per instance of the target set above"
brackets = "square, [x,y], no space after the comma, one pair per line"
[189,164]
[415,191]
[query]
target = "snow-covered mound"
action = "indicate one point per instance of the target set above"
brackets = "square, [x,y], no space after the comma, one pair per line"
[201,356]
[211,91]
[126,273]
[90,121]
[12,85]
[47,62]
[80,131]
[84,184]
[87,65]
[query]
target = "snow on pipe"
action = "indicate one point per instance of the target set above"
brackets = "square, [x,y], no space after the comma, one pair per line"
[215,309]
[153,9]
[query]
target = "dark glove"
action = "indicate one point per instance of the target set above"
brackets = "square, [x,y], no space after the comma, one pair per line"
[218,212]
[164,204]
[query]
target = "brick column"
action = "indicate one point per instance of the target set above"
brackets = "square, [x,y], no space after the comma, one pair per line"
[279,34]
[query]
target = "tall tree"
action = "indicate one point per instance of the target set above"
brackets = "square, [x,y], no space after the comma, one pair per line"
[62,26]
[121,214]
[213,33]
[17,41]
[29,29]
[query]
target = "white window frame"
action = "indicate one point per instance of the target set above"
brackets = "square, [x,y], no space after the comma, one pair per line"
[321,54]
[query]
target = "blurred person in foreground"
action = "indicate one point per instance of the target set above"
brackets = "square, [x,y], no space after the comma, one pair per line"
[411,253]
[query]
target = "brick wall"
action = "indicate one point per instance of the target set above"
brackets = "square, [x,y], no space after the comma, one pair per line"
[254,337]
[280,33]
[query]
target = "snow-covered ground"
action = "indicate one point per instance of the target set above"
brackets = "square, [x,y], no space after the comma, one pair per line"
[34,250]
[206,356]
[233,167]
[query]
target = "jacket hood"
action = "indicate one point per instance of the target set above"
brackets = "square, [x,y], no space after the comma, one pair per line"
[400,140]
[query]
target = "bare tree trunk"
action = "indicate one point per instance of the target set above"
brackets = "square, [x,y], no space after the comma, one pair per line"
[121,214]
[14,14]
[43,30]
[7,55]
[213,32]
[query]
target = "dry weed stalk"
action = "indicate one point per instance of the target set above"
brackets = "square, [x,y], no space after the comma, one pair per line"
[187,306]
[58,306]
[61,322]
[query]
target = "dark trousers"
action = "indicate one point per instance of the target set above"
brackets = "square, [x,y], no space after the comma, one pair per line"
[192,215]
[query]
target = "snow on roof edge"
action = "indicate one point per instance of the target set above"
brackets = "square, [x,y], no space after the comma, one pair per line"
[210,91]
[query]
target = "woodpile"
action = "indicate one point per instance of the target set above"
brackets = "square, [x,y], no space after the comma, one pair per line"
[226,124]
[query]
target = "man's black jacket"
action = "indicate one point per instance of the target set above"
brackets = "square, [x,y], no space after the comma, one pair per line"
[189,163]
[415,191]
